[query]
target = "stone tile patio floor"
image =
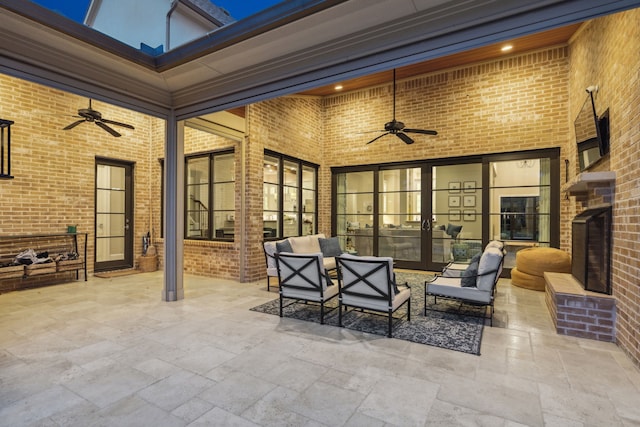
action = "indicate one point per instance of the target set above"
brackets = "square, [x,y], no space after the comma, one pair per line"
[109,352]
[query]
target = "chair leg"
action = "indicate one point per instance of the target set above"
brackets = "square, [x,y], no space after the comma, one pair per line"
[390,323]
[280,305]
[425,299]
[322,312]
[409,309]
[340,313]
[268,283]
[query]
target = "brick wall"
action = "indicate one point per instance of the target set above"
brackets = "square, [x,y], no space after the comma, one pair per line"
[55,169]
[605,53]
[520,102]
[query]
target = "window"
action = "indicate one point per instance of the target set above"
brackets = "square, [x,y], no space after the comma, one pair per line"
[289,196]
[210,196]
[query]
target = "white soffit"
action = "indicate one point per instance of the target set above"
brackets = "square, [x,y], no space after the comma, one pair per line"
[28,46]
[348,40]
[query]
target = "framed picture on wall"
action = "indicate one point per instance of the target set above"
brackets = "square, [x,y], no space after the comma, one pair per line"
[469,215]
[469,186]
[469,201]
[454,187]
[454,215]
[454,201]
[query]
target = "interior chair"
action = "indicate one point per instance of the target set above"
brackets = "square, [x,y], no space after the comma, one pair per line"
[270,258]
[302,277]
[475,286]
[368,283]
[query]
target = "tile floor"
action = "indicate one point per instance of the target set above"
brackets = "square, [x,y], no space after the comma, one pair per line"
[109,352]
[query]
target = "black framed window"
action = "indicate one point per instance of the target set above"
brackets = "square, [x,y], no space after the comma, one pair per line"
[209,195]
[290,196]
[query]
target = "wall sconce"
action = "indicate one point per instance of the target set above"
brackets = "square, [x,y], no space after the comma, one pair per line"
[5,165]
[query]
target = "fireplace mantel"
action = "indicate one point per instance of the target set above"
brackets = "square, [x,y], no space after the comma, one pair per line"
[585,181]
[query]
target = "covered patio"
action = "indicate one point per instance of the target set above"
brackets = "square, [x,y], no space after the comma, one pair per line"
[110,352]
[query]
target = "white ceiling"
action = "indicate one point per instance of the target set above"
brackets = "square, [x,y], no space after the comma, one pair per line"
[349,39]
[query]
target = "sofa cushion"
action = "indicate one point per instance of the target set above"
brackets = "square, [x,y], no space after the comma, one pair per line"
[306,244]
[489,269]
[330,247]
[284,246]
[469,276]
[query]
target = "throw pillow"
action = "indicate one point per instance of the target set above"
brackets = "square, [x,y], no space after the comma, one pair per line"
[469,276]
[475,258]
[284,246]
[330,247]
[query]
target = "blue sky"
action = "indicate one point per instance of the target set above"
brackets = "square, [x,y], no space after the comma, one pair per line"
[76,9]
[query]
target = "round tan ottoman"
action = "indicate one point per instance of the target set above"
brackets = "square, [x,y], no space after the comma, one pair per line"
[526,280]
[531,263]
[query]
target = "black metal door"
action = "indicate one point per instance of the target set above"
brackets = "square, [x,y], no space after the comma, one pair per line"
[113,215]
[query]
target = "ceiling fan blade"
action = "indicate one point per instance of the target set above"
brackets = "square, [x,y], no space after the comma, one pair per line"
[369,131]
[72,125]
[108,129]
[111,122]
[378,137]
[422,131]
[404,137]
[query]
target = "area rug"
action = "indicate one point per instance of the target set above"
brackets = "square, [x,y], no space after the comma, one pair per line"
[453,326]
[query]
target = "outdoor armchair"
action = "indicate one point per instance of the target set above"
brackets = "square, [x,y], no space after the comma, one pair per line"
[368,283]
[302,277]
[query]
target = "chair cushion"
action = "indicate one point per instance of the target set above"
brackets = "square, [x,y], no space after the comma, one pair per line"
[489,269]
[450,287]
[373,258]
[469,276]
[495,244]
[330,247]
[329,263]
[314,272]
[270,251]
[283,246]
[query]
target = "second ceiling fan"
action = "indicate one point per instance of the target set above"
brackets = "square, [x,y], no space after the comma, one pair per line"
[395,127]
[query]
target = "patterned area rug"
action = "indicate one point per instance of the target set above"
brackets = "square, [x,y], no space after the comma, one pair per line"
[452,326]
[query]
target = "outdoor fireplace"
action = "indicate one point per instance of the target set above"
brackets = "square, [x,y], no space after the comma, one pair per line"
[591,249]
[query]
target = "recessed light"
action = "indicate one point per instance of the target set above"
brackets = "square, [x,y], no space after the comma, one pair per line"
[506,48]
[338,87]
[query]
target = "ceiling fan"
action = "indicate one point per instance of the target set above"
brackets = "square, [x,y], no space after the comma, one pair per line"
[91,115]
[396,127]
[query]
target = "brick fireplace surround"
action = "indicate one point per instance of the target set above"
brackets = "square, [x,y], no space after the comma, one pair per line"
[579,313]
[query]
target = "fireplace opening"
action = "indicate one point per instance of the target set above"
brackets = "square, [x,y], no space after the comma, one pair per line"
[591,249]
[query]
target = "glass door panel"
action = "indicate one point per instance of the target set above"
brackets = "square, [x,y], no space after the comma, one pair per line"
[400,213]
[520,204]
[113,216]
[354,212]
[456,213]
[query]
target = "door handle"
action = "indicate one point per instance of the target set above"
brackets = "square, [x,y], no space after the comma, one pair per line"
[426,225]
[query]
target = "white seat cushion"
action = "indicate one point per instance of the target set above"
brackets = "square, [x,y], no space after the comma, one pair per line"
[450,287]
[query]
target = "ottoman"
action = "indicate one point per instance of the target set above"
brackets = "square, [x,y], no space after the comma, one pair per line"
[531,263]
